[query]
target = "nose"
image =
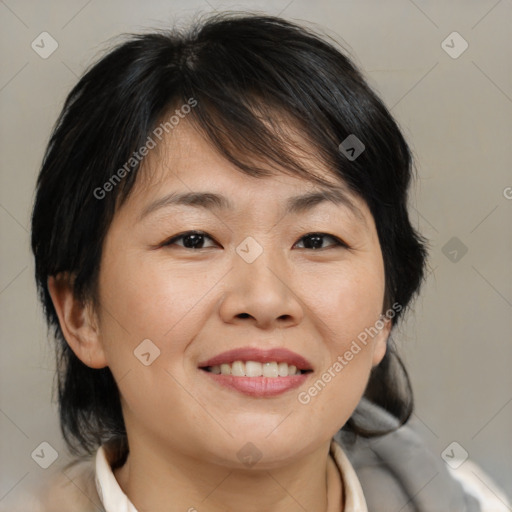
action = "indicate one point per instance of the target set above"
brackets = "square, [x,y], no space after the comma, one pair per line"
[262,293]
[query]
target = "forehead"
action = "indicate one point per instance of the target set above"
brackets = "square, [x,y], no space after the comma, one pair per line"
[185,169]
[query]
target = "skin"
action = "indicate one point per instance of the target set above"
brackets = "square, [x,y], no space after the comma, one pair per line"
[184,431]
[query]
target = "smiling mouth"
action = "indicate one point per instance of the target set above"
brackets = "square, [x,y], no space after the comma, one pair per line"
[271,369]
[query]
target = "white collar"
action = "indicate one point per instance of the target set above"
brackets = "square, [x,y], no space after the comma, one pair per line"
[115,500]
[111,495]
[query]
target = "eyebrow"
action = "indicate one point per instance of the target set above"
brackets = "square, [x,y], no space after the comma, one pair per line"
[294,205]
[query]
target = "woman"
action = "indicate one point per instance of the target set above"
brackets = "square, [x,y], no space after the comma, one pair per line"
[223,248]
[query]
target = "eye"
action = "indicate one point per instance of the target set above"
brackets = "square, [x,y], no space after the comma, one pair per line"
[191,240]
[314,241]
[196,240]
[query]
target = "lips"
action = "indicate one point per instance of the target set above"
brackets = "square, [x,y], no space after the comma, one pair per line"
[279,355]
[258,387]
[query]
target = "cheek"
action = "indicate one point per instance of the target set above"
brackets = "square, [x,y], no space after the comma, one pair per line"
[348,303]
[147,298]
[142,302]
[347,307]
[347,315]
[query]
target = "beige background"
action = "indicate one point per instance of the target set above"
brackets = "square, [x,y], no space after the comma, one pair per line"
[457,115]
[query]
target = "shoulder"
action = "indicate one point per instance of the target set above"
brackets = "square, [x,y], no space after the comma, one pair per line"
[69,488]
[397,471]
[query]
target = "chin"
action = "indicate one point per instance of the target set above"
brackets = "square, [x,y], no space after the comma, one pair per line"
[259,450]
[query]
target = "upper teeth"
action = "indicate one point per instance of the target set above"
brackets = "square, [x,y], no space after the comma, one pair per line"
[255,369]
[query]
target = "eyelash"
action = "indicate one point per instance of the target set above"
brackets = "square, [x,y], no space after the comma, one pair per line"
[171,241]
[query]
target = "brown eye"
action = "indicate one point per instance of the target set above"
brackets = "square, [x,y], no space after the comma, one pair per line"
[315,241]
[190,240]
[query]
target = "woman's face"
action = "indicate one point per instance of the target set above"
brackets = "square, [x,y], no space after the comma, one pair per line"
[254,281]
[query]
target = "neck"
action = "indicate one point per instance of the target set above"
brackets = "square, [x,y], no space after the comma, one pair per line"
[171,482]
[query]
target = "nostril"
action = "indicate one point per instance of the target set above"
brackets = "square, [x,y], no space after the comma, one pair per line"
[243,315]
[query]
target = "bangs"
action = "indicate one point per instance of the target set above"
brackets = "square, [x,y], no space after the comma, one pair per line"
[259,139]
[258,106]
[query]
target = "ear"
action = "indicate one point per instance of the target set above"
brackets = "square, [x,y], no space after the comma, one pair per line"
[78,321]
[380,342]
